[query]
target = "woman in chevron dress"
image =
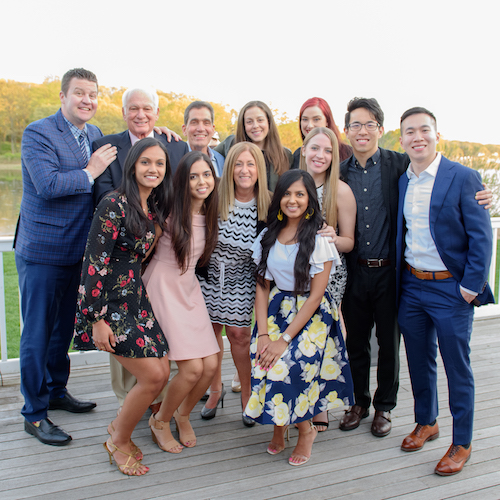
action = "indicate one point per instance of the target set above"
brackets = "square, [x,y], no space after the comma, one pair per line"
[229,284]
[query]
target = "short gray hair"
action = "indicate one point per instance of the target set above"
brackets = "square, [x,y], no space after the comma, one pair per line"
[198,105]
[149,93]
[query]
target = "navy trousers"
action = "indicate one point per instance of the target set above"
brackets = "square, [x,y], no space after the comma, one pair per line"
[48,306]
[433,313]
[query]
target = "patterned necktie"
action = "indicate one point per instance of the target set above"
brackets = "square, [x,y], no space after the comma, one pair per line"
[83,146]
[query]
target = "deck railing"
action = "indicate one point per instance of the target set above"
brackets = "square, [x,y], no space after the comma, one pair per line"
[12,365]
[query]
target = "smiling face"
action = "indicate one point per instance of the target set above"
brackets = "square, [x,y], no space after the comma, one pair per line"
[256,125]
[312,117]
[364,142]
[199,129]
[140,114]
[295,200]
[80,102]
[150,169]
[201,180]
[318,154]
[245,172]
[419,139]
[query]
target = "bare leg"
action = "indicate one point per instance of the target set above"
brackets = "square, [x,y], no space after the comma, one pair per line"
[240,349]
[152,374]
[216,384]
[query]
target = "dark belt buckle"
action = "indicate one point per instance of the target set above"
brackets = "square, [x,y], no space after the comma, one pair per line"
[374,262]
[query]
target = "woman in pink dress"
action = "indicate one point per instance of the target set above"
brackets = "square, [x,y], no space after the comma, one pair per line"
[190,236]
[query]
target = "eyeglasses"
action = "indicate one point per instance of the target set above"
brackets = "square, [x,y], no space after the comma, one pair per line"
[370,126]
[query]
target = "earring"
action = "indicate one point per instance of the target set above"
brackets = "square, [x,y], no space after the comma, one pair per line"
[309,215]
[280,215]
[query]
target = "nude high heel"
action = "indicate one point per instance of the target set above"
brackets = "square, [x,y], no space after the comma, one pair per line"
[162,436]
[186,434]
[273,448]
[303,459]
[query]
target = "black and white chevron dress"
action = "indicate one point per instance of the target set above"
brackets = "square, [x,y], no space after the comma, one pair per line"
[229,289]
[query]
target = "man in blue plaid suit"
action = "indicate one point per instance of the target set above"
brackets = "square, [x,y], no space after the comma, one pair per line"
[56,211]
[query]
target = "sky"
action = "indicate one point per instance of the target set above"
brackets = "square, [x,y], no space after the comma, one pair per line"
[440,54]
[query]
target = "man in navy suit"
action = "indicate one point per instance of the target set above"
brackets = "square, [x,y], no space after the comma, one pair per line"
[444,243]
[140,112]
[56,210]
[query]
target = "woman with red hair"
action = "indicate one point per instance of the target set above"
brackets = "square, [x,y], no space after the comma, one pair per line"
[316,112]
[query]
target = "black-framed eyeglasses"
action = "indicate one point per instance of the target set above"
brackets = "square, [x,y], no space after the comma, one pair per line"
[370,126]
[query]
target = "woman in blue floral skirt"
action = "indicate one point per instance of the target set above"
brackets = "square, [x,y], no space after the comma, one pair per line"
[299,361]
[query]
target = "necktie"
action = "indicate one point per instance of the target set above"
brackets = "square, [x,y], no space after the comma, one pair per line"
[83,146]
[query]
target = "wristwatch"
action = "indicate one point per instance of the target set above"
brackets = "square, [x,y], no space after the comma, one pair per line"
[286,338]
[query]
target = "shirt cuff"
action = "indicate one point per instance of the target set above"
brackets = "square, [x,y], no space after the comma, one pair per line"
[468,291]
[89,175]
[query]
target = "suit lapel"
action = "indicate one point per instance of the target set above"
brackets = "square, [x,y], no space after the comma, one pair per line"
[442,183]
[123,148]
[70,140]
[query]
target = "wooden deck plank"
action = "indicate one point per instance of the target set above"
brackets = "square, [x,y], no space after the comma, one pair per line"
[230,460]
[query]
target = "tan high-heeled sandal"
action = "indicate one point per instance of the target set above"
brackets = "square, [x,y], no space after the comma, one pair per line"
[136,451]
[162,436]
[303,458]
[273,448]
[186,436]
[126,468]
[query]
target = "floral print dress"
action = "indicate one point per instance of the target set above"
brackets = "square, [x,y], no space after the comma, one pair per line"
[111,286]
[313,374]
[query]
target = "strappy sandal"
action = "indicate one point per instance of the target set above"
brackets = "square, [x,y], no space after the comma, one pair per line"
[303,458]
[162,436]
[135,450]
[126,468]
[186,436]
[273,448]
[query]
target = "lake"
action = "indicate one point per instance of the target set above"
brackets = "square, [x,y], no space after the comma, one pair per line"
[11,190]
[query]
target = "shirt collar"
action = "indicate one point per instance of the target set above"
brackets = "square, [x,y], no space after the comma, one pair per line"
[430,170]
[210,151]
[134,139]
[77,132]
[374,159]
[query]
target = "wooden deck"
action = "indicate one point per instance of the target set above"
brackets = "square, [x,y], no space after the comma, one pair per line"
[230,460]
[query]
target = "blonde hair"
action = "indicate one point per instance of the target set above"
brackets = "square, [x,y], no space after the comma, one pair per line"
[226,185]
[330,186]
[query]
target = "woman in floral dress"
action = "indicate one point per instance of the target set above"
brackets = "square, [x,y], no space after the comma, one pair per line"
[299,363]
[114,313]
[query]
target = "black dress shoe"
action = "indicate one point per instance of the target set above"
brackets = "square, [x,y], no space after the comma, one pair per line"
[381,425]
[69,403]
[47,433]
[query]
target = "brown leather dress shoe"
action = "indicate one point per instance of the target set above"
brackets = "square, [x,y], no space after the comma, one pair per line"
[422,433]
[154,407]
[454,460]
[381,425]
[352,417]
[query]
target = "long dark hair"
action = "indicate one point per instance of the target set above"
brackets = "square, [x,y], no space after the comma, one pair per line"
[180,222]
[306,230]
[159,200]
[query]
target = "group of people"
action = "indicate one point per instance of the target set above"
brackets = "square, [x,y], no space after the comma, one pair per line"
[180,242]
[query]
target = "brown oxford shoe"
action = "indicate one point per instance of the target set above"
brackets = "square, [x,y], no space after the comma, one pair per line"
[352,417]
[381,425]
[422,433]
[454,460]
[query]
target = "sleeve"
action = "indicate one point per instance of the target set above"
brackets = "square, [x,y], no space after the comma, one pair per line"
[324,251]
[256,249]
[42,161]
[97,271]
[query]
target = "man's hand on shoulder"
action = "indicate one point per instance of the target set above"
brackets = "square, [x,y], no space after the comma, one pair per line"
[101,159]
[170,134]
[485,197]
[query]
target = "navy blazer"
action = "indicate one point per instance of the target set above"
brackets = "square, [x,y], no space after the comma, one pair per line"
[460,227]
[111,178]
[56,208]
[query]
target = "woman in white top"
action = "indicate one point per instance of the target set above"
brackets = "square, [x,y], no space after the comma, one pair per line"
[298,369]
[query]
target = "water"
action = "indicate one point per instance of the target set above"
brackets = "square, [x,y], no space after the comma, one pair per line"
[11,190]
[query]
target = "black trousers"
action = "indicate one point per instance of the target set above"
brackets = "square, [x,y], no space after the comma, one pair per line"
[370,298]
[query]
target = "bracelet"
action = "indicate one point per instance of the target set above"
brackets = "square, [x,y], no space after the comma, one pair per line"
[263,335]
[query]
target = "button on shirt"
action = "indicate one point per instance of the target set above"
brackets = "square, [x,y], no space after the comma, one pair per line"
[372,229]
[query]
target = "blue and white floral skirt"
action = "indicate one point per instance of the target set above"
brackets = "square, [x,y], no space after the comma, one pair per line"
[313,373]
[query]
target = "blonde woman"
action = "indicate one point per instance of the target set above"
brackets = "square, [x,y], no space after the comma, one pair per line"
[229,284]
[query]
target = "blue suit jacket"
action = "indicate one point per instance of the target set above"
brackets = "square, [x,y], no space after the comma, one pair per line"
[111,178]
[460,228]
[56,208]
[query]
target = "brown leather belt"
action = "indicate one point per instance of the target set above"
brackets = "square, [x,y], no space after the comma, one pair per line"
[374,262]
[428,275]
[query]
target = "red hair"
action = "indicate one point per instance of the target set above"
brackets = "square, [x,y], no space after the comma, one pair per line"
[345,151]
